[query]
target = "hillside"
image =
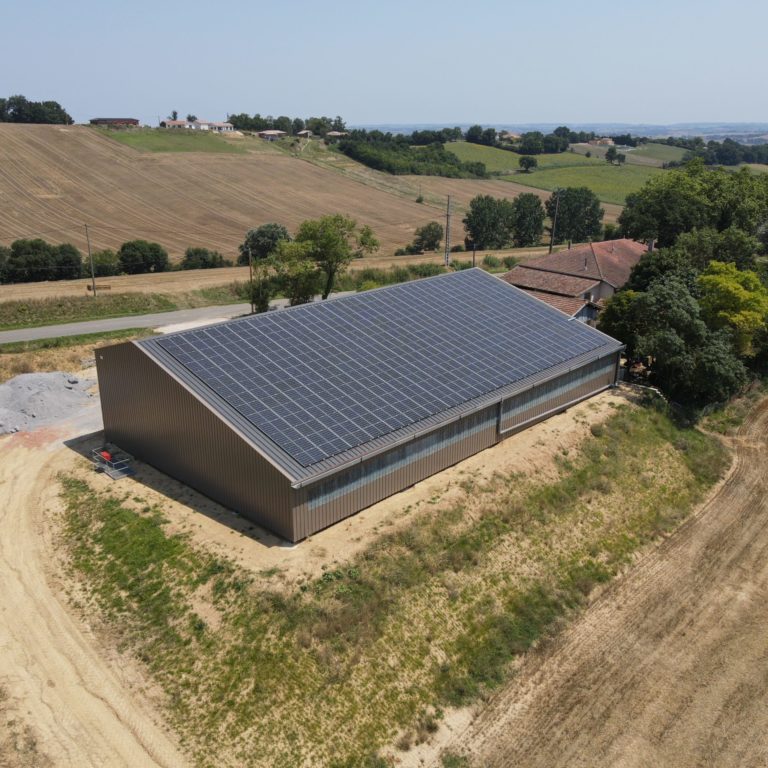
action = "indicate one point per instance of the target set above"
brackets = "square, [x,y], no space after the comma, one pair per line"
[611,183]
[53,179]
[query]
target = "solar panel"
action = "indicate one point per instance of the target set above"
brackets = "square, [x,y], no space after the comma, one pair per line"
[326,377]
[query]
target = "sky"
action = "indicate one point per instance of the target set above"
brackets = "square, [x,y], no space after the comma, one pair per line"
[494,62]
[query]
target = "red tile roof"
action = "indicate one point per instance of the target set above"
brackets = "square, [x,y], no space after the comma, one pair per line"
[609,260]
[568,304]
[525,276]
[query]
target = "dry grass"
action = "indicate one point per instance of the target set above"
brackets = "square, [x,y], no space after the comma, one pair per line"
[429,614]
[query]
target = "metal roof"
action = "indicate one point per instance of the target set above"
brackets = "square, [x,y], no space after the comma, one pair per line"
[319,387]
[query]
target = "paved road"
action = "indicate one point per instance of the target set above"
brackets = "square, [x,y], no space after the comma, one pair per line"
[136,321]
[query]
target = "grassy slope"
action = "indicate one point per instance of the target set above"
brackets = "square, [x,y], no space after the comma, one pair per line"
[165,140]
[568,169]
[505,162]
[660,152]
[426,617]
[67,353]
[37,312]
[611,183]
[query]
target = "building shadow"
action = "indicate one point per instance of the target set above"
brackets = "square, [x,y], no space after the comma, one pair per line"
[176,491]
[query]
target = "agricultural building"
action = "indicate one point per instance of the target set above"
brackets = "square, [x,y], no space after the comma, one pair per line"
[577,280]
[299,418]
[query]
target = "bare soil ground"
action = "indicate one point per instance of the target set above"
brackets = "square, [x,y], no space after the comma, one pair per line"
[68,697]
[667,667]
[53,179]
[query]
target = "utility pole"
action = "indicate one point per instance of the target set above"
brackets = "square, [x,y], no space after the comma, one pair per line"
[474,251]
[554,220]
[250,279]
[90,258]
[448,233]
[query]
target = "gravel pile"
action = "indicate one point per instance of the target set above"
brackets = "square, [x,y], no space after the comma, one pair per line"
[35,399]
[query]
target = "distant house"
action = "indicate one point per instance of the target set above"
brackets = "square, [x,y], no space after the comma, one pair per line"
[509,136]
[271,134]
[336,134]
[605,141]
[115,122]
[305,134]
[198,125]
[578,280]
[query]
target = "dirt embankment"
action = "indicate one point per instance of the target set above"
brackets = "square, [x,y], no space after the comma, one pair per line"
[668,666]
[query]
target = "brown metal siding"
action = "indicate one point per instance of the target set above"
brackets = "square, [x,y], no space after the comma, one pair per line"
[370,482]
[152,416]
[481,431]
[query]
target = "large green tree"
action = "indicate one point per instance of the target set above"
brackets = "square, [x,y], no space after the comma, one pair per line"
[297,273]
[734,245]
[261,242]
[428,237]
[490,222]
[139,256]
[529,220]
[736,300]
[527,163]
[333,242]
[36,260]
[579,215]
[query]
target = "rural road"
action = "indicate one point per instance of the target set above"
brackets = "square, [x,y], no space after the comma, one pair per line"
[669,667]
[75,700]
[155,320]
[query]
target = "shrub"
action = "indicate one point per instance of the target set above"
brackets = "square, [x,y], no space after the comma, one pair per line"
[491,261]
[105,263]
[458,248]
[202,258]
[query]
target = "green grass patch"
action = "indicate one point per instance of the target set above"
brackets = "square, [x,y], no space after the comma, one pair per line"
[173,140]
[504,161]
[661,152]
[327,671]
[611,183]
[62,342]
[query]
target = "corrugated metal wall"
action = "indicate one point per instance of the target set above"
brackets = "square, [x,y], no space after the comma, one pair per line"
[329,501]
[149,414]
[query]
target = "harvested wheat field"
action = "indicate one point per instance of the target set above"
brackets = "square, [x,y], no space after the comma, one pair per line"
[54,179]
[666,668]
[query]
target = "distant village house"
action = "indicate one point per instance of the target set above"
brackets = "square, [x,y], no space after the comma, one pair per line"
[605,141]
[271,134]
[198,125]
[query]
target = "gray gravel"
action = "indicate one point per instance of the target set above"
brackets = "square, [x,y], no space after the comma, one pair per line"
[35,399]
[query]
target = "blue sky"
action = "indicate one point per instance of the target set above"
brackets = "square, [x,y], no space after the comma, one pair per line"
[489,61]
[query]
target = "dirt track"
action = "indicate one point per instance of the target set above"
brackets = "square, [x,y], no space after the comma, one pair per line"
[77,706]
[669,667]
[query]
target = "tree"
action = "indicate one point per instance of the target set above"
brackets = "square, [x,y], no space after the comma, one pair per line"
[526,162]
[532,143]
[5,255]
[701,246]
[297,125]
[621,158]
[529,220]
[283,123]
[474,134]
[736,300]
[139,256]
[191,118]
[661,264]
[490,222]
[333,241]
[36,260]
[174,115]
[262,242]
[297,273]
[611,154]
[579,215]
[68,262]
[202,258]
[428,237]
[620,319]
[105,263]
[18,109]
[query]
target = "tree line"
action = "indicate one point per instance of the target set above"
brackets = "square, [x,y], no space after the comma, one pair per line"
[18,109]
[35,260]
[696,307]
[320,126]
[397,154]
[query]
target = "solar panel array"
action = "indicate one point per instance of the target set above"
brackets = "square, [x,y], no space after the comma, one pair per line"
[324,378]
